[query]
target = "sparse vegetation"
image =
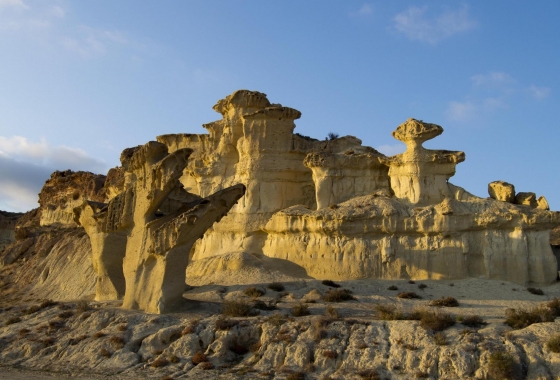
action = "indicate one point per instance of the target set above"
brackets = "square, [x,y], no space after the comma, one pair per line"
[117,342]
[99,334]
[82,307]
[408,295]
[66,314]
[554,306]
[331,312]
[300,310]
[174,359]
[276,286]
[105,353]
[223,323]
[23,332]
[411,282]
[12,320]
[277,319]
[392,287]
[338,295]
[261,305]
[206,366]
[440,339]
[330,283]
[445,302]
[198,358]
[369,374]
[298,375]
[472,321]
[332,136]
[421,375]
[553,344]
[535,291]
[236,308]
[388,312]
[518,319]
[501,365]
[422,286]
[49,341]
[123,327]
[433,320]
[253,292]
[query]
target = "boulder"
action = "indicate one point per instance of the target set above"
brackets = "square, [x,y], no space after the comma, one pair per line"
[526,199]
[502,191]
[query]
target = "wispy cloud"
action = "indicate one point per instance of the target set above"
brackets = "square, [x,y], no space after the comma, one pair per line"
[92,42]
[494,79]
[538,93]
[461,111]
[415,24]
[25,166]
[13,4]
[364,11]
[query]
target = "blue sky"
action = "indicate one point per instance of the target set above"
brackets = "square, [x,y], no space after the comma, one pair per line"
[82,80]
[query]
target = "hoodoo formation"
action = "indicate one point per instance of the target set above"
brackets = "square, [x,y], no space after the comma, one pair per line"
[253,193]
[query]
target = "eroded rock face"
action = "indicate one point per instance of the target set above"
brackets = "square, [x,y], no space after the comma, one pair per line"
[502,191]
[7,227]
[66,190]
[142,238]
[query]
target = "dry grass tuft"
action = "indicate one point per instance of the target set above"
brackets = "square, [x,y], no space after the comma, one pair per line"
[369,374]
[276,319]
[387,312]
[338,295]
[236,308]
[105,353]
[253,292]
[433,320]
[159,362]
[553,344]
[223,323]
[445,302]
[518,319]
[408,295]
[473,321]
[330,354]
[66,314]
[440,339]
[300,310]
[82,307]
[12,320]
[206,366]
[298,375]
[501,365]
[117,342]
[331,312]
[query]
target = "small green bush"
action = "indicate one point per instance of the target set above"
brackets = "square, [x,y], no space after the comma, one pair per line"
[276,286]
[330,283]
[445,301]
[300,310]
[553,344]
[338,295]
[501,365]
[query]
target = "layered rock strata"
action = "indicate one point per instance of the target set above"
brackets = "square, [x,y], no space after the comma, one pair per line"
[142,238]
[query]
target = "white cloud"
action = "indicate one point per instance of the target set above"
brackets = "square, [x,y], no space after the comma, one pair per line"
[365,10]
[495,103]
[461,111]
[538,93]
[92,42]
[14,4]
[391,150]
[494,79]
[25,166]
[415,25]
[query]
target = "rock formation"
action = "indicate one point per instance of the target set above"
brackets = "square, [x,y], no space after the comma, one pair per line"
[142,238]
[340,210]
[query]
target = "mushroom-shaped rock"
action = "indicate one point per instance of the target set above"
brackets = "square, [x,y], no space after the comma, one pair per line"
[419,176]
[502,191]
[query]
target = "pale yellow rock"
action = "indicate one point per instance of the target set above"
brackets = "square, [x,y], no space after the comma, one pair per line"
[502,191]
[526,199]
[542,203]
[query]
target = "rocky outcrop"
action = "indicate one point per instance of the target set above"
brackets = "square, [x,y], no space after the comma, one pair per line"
[142,238]
[66,190]
[502,191]
[7,227]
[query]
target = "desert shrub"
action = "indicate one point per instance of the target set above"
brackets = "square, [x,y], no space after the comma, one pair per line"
[421,375]
[65,314]
[82,306]
[388,312]
[553,344]
[33,309]
[117,341]
[105,353]
[408,295]
[518,319]
[99,334]
[190,329]
[206,366]
[23,332]
[330,354]
[554,306]
[261,305]
[174,359]
[318,329]
[338,295]
[411,282]
[331,312]
[198,358]
[159,362]
[330,283]
[445,301]
[501,365]
[49,341]
[440,339]
[253,292]
[300,310]
[77,340]
[236,308]
[122,327]
[12,320]
[433,320]
[422,286]
[369,374]
[276,286]
[56,324]
[472,321]
[47,303]
[536,291]
[298,375]
[276,319]
[223,323]
[392,287]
